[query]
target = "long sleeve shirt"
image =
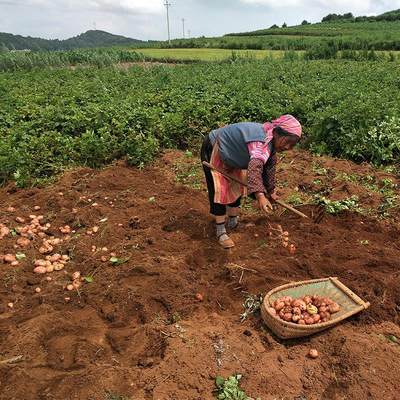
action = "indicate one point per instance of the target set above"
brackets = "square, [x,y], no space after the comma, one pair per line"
[261,169]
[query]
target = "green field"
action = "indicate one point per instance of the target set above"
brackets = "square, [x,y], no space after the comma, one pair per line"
[210,54]
[52,119]
[343,35]
[207,54]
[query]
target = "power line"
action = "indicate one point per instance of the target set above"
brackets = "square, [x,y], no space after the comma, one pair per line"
[167,6]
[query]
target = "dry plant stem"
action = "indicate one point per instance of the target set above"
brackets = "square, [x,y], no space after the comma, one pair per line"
[12,360]
[241,277]
[235,266]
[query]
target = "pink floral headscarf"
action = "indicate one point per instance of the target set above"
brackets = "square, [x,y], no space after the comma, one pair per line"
[287,122]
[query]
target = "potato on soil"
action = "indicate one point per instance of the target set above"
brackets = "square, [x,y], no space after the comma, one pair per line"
[199,297]
[9,258]
[40,270]
[313,353]
[23,242]
[4,231]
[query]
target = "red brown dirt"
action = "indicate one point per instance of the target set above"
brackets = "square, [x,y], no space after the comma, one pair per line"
[138,329]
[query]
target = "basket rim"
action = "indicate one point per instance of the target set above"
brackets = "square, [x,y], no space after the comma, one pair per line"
[360,304]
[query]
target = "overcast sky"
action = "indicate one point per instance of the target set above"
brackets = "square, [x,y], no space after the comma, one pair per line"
[146,19]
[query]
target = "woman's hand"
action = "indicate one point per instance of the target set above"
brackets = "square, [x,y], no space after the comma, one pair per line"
[263,202]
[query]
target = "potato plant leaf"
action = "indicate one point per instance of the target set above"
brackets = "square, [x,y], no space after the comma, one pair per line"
[20,256]
[118,261]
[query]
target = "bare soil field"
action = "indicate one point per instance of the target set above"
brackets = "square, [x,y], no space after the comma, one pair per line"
[136,327]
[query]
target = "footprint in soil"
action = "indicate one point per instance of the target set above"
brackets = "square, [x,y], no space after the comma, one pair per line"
[132,312]
[62,353]
[192,224]
[137,347]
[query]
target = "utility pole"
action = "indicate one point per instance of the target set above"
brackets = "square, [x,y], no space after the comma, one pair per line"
[167,6]
[183,27]
[189,33]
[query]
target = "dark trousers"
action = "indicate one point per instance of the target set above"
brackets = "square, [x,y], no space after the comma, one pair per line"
[215,208]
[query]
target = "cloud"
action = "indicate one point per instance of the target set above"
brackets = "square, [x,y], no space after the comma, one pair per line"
[146,19]
[106,6]
[129,6]
[356,6]
[273,4]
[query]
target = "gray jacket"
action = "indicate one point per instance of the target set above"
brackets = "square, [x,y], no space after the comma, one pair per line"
[233,140]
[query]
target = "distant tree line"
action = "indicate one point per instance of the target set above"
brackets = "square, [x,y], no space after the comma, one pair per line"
[347,17]
[389,16]
[90,39]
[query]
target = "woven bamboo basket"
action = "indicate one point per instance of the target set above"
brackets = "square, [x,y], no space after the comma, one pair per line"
[349,302]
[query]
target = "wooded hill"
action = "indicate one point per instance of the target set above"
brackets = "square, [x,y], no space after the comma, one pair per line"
[89,39]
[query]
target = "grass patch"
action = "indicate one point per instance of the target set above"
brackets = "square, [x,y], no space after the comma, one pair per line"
[208,54]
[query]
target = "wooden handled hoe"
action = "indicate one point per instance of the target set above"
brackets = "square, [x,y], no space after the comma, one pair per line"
[317,218]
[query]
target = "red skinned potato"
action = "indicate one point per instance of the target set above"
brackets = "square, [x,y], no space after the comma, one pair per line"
[278,305]
[4,231]
[316,318]
[287,317]
[305,315]
[313,353]
[318,302]
[287,300]
[287,310]
[333,308]
[9,258]
[296,311]
[325,316]
[40,270]
[299,303]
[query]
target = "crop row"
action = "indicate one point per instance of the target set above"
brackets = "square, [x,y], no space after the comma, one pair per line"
[27,60]
[54,119]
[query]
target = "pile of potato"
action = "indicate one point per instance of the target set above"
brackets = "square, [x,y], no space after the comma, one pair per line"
[55,262]
[307,310]
[9,259]
[76,281]
[33,227]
